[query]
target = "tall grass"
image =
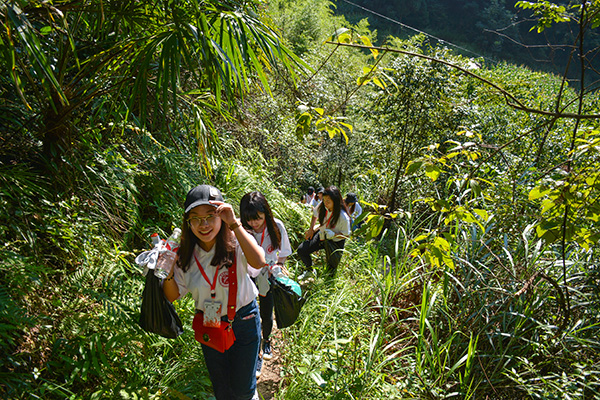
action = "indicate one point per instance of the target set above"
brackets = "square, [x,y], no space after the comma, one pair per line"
[490,328]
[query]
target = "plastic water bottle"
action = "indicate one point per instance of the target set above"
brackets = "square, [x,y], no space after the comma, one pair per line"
[155,239]
[173,240]
[168,255]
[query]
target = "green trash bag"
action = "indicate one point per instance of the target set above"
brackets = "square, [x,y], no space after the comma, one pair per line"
[288,300]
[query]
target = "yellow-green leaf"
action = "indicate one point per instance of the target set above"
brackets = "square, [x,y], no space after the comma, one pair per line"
[379,82]
[363,80]
[347,126]
[432,171]
[366,41]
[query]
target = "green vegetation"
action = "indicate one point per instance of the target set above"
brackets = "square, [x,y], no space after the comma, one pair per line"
[475,274]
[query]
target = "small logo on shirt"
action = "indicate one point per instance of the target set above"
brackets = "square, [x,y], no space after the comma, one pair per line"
[224,278]
[270,249]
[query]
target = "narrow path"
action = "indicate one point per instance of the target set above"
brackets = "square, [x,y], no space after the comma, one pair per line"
[270,378]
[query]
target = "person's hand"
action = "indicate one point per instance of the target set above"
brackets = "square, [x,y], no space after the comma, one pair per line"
[224,211]
[279,269]
[309,234]
[284,270]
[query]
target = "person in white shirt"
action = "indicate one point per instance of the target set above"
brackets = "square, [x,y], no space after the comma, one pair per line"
[354,208]
[315,206]
[330,234]
[271,235]
[212,243]
[309,196]
[318,197]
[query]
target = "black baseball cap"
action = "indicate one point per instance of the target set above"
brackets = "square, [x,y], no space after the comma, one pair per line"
[202,194]
[351,198]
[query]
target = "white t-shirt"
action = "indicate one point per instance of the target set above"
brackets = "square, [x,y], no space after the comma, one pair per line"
[264,240]
[316,209]
[357,210]
[310,198]
[193,281]
[341,226]
[315,201]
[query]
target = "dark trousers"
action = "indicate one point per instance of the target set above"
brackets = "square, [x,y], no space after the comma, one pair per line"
[333,251]
[266,314]
[233,373]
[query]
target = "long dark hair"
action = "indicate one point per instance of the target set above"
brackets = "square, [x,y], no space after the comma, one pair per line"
[250,205]
[224,246]
[338,205]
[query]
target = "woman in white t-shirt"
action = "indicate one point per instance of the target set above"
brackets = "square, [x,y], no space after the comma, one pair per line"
[271,235]
[354,209]
[212,242]
[331,234]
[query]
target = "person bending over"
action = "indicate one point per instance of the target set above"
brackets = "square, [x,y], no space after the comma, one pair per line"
[330,234]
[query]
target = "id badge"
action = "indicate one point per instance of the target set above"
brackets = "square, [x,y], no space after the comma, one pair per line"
[212,314]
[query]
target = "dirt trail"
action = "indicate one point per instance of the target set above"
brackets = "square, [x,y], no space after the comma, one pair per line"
[269,380]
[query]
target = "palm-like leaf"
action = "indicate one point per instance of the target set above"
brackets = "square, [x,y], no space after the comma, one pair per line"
[153,57]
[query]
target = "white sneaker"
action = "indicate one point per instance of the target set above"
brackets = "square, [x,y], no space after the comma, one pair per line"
[307,274]
[267,350]
[259,367]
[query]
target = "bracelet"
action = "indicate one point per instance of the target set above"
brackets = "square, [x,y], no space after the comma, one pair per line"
[234,225]
[168,279]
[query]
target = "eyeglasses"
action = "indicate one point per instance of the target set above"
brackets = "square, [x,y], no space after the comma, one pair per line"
[197,221]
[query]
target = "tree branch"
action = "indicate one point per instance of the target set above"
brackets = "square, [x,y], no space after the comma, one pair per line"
[510,99]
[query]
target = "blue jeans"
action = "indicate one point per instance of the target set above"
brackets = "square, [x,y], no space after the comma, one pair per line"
[233,373]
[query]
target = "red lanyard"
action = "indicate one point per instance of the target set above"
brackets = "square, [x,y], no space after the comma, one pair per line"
[262,238]
[212,285]
[329,220]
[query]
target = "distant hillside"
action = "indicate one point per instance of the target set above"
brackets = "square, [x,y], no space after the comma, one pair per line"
[494,29]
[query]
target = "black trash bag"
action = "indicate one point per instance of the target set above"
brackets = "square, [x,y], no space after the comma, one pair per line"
[287,299]
[157,314]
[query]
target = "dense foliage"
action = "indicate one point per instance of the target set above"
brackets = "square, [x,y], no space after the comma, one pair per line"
[475,274]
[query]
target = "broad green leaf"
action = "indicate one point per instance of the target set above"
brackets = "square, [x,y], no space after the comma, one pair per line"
[331,130]
[345,38]
[432,171]
[483,214]
[376,225]
[321,124]
[412,167]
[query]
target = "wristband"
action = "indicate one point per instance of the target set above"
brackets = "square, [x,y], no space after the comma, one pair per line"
[234,225]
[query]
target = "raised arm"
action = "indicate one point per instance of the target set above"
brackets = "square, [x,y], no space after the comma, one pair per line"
[255,255]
